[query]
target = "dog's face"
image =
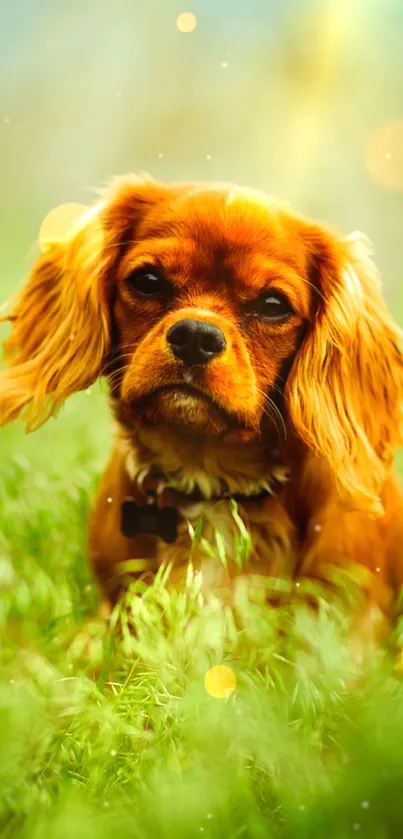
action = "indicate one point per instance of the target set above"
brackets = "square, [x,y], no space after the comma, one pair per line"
[209,308]
[219,313]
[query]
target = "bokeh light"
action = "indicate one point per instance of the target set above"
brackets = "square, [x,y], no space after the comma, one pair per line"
[220,681]
[186,22]
[58,223]
[384,155]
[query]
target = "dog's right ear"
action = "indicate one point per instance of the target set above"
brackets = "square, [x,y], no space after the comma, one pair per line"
[60,326]
[60,337]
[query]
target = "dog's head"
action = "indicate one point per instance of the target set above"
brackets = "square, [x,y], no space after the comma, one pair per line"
[219,313]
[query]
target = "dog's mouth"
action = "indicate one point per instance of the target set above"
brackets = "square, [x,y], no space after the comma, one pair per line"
[189,408]
[180,388]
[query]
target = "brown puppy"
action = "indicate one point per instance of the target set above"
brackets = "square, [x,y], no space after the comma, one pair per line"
[250,357]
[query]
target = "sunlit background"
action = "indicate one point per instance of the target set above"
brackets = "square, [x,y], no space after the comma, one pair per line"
[303,98]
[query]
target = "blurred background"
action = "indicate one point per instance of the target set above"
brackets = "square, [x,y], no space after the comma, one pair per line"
[301,98]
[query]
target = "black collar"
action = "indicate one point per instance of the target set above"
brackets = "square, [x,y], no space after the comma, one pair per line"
[156,510]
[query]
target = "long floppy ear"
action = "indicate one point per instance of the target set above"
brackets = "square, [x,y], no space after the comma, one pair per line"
[60,326]
[61,322]
[345,389]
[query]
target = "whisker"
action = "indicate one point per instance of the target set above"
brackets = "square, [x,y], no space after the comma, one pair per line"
[312,285]
[272,411]
[277,413]
[114,375]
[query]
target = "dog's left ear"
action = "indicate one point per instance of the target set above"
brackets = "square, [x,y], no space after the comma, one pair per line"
[345,389]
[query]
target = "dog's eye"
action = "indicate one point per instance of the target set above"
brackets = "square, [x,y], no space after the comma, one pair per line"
[148,283]
[273,307]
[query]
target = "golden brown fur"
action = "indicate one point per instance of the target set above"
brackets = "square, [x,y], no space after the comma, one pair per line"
[308,407]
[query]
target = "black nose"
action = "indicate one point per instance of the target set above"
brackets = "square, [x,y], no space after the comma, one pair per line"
[195,341]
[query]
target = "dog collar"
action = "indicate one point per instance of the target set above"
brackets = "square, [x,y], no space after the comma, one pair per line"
[156,511]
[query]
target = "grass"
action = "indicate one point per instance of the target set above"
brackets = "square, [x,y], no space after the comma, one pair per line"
[118,736]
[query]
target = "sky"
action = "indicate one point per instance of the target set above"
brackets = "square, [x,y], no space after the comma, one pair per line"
[300,98]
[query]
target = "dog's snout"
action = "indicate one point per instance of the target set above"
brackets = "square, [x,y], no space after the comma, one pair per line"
[195,341]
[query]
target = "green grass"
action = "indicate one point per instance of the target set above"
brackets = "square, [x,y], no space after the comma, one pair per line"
[118,737]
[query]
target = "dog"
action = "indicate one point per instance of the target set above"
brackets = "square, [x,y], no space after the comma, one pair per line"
[255,378]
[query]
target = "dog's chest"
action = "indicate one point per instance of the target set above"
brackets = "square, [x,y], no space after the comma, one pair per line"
[220,537]
[223,540]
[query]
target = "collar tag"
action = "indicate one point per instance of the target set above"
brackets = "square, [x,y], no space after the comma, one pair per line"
[151,519]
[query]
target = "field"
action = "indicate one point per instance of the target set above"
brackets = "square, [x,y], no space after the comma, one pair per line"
[107,737]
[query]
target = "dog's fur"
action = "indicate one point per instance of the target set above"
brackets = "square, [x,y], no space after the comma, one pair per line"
[307,408]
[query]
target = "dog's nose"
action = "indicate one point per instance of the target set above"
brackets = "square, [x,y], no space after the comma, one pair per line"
[195,341]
